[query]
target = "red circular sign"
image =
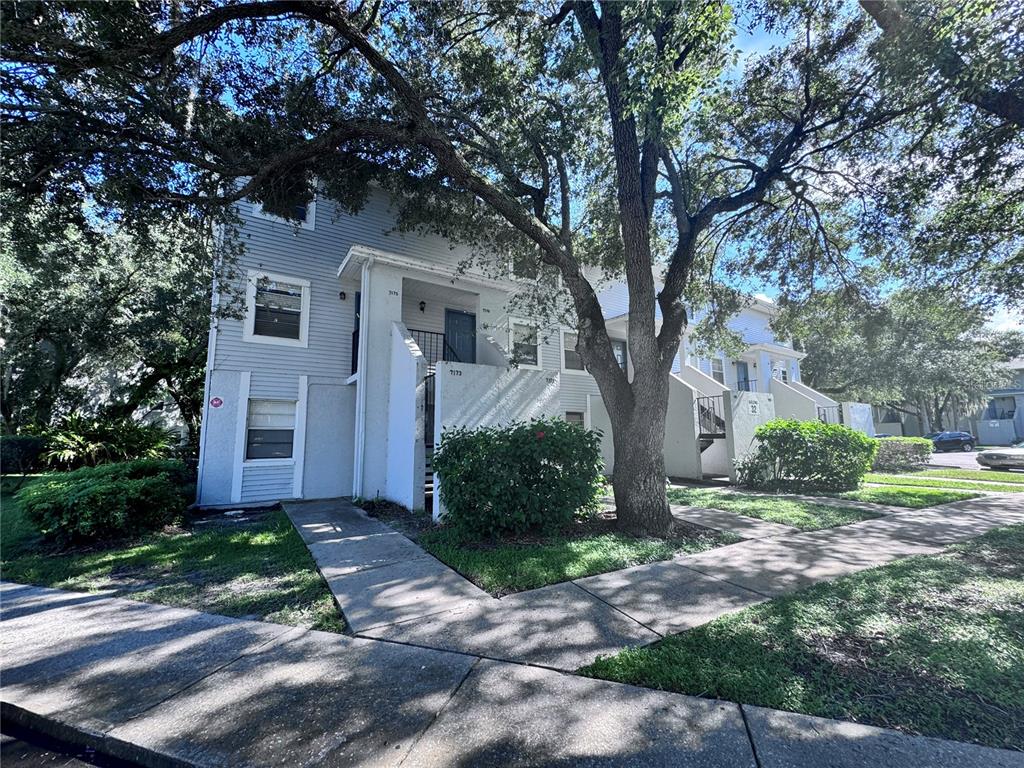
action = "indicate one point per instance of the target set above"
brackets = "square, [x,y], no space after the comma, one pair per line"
[216,402]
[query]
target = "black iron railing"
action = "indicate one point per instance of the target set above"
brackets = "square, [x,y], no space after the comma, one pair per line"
[428,411]
[434,346]
[830,414]
[746,385]
[711,416]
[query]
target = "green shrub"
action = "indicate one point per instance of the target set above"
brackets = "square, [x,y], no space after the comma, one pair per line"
[80,441]
[902,453]
[109,501]
[21,453]
[807,456]
[525,477]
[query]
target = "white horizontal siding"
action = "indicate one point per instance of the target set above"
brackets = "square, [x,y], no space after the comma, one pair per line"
[267,483]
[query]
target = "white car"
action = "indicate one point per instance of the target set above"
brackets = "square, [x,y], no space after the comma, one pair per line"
[1003,458]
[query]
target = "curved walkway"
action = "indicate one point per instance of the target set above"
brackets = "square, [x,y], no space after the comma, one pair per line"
[171,687]
[389,588]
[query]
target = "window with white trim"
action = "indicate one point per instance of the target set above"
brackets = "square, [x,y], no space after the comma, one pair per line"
[277,309]
[270,429]
[718,370]
[571,360]
[526,344]
[574,417]
[301,214]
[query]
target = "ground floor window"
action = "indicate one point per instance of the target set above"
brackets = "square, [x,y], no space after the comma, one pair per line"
[270,429]
[574,417]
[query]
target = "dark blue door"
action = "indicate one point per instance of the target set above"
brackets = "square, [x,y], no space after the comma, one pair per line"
[742,376]
[460,336]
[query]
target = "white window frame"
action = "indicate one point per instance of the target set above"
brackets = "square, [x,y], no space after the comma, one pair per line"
[272,462]
[561,354]
[583,419]
[248,334]
[721,364]
[512,323]
[308,223]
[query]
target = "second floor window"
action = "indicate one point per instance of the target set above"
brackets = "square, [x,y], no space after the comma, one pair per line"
[571,360]
[718,370]
[526,344]
[277,309]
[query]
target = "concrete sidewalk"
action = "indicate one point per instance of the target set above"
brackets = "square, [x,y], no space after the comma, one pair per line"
[171,687]
[391,589]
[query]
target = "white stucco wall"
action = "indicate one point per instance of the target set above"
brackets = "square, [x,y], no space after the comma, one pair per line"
[330,424]
[858,416]
[473,396]
[598,420]
[218,439]
[682,452]
[791,403]
[405,450]
[745,412]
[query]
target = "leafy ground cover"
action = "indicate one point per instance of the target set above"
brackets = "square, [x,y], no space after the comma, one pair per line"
[805,515]
[253,565]
[913,498]
[941,483]
[931,645]
[502,566]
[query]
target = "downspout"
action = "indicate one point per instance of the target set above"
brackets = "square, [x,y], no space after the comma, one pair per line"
[211,352]
[364,323]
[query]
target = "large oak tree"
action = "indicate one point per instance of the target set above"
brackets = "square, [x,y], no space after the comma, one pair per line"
[627,135]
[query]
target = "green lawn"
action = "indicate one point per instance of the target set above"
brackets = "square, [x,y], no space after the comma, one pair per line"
[941,483]
[974,474]
[914,498]
[931,645]
[260,570]
[805,515]
[504,567]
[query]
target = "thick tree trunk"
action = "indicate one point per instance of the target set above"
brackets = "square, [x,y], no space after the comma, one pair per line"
[638,436]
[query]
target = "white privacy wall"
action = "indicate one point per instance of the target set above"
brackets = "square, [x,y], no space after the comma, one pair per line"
[744,413]
[405,450]
[858,416]
[792,404]
[483,395]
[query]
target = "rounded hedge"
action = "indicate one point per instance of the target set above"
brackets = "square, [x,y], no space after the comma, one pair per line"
[534,476]
[807,456]
[108,501]
[902,453]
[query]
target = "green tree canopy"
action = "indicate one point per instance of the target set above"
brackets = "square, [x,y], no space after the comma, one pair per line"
[576,133]
[920,351]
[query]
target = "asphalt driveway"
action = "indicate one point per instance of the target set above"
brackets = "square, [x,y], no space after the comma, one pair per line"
[956,459]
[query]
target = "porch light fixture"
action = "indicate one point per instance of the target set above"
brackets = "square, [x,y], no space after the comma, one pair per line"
[423,306]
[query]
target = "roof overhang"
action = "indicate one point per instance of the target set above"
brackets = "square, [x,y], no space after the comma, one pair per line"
[778,350]
[359,256]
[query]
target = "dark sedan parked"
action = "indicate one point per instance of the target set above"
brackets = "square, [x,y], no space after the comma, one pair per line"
[954,441]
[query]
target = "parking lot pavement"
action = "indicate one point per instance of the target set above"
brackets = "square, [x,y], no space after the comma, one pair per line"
[956,459]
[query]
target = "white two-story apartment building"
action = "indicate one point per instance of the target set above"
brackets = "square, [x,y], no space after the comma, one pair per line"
[358,344]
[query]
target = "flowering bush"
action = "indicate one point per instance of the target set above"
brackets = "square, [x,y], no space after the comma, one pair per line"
[523,477]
